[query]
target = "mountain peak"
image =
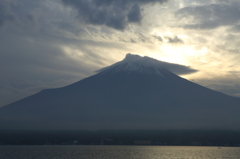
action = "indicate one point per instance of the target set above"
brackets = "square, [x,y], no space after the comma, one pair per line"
[141,61]
[133,57]
[135,63]
[143,64]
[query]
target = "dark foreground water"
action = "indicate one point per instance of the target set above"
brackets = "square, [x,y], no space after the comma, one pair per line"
[118,152]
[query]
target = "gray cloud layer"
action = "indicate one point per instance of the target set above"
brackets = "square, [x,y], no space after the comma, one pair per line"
[210,16]
[5,11]
[112,13]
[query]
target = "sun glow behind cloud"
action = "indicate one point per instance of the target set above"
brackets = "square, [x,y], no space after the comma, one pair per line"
[181,54]
[51,35]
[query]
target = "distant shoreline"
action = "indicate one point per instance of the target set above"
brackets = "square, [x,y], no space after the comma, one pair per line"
[122,137]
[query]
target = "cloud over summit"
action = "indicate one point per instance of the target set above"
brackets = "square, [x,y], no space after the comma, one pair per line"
[137,61]
[116,14]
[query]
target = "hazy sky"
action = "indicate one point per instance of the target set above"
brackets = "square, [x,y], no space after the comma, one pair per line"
[52,43]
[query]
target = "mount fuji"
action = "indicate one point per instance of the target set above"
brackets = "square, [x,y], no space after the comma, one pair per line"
[135,93]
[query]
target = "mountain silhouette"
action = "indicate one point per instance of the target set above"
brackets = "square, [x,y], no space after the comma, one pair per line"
[135,93]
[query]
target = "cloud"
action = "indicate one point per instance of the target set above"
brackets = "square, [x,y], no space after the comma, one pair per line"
[159,38]
[178,69]
[116,14]
[135,14]
[209,16]
[174,40]
[145,38]
[36,64]
[5,12]
[32,55]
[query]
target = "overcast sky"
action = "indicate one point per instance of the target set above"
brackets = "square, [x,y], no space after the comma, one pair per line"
[53,43]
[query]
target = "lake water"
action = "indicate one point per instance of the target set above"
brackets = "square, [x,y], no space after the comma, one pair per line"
[118,152]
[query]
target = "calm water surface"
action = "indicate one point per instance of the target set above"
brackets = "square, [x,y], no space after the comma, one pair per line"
[118,152]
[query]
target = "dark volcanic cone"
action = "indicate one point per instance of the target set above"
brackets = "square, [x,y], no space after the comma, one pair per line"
[136,93]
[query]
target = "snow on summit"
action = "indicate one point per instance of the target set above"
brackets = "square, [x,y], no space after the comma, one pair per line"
[147,65]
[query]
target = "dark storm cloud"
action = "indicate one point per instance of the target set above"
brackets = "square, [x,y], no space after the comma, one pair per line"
[5,12]
[135,14]
[209,16]
[112,13]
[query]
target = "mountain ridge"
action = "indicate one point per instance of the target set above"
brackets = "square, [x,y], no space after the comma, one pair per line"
[125,100]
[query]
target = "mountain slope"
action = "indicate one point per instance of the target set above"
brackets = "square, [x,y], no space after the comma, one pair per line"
[127,95]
